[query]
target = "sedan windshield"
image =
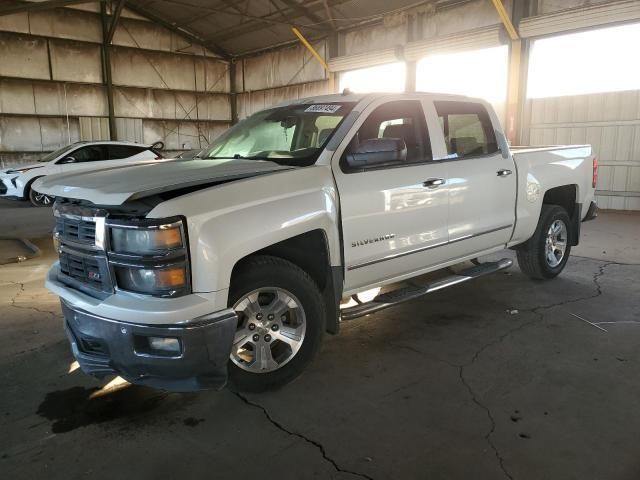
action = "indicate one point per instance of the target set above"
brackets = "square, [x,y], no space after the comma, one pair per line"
[57,153]
[291,135]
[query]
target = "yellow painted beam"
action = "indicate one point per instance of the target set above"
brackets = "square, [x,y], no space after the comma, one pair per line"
[504,16]
[303,40]
[310,48]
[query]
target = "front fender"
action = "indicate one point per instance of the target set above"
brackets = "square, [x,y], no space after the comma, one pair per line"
[228,222]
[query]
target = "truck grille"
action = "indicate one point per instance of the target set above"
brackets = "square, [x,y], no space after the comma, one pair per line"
[83,263]
[90,271]
[78,231]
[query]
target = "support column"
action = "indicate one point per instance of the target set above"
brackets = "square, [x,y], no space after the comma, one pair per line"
[233,94]
[106,71]
[410,80]
[414,32]
[514,97]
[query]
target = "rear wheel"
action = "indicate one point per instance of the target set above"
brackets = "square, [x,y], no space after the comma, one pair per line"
[281,322]
[40,199]
[546,253]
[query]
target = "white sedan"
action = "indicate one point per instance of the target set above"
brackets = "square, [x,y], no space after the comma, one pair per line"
[80,156]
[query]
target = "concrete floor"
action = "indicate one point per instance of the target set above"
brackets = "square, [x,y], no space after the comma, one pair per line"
[501,378]
[19,219]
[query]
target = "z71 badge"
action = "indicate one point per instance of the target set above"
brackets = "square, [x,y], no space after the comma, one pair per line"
[367,241]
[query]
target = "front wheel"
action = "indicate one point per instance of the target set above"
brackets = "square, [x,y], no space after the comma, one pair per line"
[39,199]
[546,253]
[281,322]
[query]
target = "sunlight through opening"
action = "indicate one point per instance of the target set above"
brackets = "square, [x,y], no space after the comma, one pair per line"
[587,62]
[477,73]
[382,78]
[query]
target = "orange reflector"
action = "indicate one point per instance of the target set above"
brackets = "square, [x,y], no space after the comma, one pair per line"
[172,277]
[169,238]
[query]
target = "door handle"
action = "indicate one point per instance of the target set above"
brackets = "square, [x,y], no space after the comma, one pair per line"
[504,172]
[433,182]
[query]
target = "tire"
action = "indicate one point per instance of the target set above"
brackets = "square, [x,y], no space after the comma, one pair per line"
[534,256]
[39,199]
[262,289]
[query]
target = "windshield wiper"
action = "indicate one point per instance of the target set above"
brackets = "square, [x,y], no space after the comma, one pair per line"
[237,156]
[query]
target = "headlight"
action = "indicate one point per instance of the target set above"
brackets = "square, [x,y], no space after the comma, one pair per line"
[21,170]
[146,241]
[152,281]
[150,256]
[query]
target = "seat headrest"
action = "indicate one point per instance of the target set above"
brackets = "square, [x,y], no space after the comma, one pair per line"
[404,131]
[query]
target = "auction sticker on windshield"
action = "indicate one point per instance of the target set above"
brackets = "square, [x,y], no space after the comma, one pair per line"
[320,108]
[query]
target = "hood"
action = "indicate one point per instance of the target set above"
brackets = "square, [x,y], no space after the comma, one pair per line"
[12,170]
[116,185]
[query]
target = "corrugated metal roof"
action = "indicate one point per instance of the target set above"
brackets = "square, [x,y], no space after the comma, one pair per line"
[239,27]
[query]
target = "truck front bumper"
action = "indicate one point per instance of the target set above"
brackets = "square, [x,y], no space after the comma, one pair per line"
[105,346]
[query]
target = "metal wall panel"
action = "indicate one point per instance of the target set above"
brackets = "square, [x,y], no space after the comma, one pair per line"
[569,19]
[33,134]
[181,135]
[94,128]
[136,68]
[550,6]
[23,56]
[66,23]
[251,102]
[42,112]
[75,61]
[18,22]
[130,129]
[283,67]
[165,104]
[610,122]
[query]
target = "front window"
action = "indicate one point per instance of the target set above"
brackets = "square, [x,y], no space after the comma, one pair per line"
[57,153]
[291,135]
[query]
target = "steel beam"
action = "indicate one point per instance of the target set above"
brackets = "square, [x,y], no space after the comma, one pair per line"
[217,49]
[506,20]
[33,6]
[310,48]
[517,82]
[115,18]
[106,67]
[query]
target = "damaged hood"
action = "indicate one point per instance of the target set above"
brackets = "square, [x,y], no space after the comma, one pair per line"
[114,186]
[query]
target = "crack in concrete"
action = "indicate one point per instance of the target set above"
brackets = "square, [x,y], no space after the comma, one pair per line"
[538,312]
[23,307]
[308,440]
[539,316]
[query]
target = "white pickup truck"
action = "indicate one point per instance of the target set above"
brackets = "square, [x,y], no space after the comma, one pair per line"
[182,274]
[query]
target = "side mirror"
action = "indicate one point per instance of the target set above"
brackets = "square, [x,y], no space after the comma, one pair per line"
[68,160]
[377,151]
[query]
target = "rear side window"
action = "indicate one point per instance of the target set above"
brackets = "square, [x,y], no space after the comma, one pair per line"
[467,129]
[93,153]
[116,152]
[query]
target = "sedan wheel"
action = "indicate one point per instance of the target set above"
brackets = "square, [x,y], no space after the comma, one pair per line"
[40,199]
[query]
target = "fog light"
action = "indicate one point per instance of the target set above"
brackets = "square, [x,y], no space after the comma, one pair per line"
[164,344]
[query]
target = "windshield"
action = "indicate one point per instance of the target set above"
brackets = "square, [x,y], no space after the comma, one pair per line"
[58,152]
[291,135]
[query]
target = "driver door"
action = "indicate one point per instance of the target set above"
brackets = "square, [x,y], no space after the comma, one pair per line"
[394,215]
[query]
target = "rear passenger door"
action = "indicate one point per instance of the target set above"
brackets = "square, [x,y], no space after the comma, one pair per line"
[392,218]
[482,182]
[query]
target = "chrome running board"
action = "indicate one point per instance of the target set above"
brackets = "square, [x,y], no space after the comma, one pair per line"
[412,292]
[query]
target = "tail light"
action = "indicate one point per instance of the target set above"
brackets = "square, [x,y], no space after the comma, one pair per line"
[594,177]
